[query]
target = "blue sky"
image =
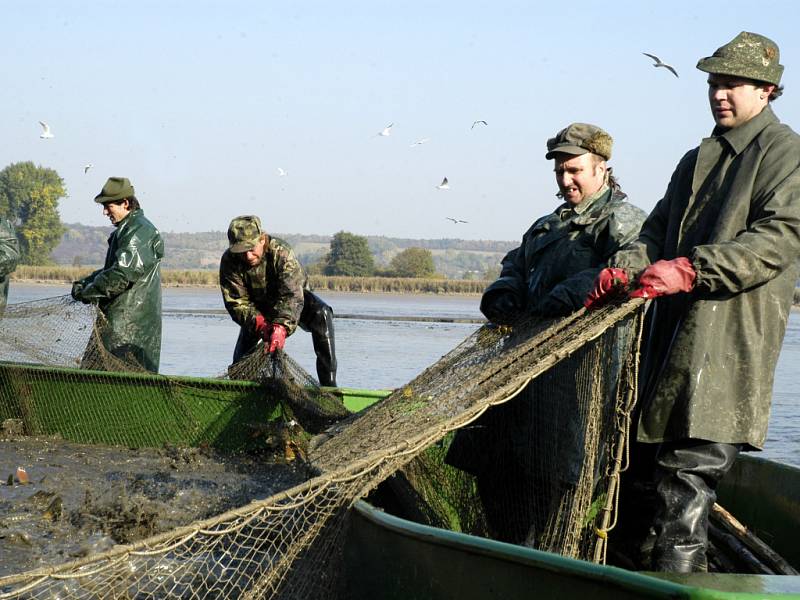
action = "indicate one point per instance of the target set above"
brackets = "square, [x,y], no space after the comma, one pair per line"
[199,103]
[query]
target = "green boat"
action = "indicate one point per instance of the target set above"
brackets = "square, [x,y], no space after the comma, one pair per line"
[386,556]
[392,558]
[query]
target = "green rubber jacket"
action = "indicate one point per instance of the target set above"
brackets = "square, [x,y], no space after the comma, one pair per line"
[128,291]
[733,208]
[554,268]
[9,257]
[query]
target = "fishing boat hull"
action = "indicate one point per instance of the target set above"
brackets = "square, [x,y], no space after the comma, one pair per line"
[392,558]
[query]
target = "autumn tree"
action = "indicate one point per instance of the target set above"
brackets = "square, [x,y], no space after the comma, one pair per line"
[29,196]
[413,262]
[349,255]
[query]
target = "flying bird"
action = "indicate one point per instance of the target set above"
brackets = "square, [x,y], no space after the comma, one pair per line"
[418,142]
[444,185]
[46,133]
[281,172]
[456,220]
[476,122]
[386,130]
[660,63]
[87,167]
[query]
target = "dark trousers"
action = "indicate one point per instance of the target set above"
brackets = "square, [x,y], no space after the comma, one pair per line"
[316,318]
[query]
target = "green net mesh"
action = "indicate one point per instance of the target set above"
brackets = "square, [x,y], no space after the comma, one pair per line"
[546,405]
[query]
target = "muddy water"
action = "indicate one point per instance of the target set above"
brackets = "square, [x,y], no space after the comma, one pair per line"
[81,500]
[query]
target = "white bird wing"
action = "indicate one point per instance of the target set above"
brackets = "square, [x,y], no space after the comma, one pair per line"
[45,127]
[673,71]
[654,57]
[476,122]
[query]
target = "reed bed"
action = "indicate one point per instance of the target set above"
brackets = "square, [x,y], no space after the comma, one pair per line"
[210,278]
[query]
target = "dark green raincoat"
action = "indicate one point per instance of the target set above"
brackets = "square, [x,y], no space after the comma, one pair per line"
[733,208]
[554,268]
[9,257]
[128,291]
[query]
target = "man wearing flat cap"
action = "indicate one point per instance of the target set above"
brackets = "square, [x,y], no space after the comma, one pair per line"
[554,267]
[265,291]
[128,288]
[548,275]
[719,254]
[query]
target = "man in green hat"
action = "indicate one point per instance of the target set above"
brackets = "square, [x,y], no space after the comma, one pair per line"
[548,275]
[719,254]
[128,287]
[265,291]
[9,257]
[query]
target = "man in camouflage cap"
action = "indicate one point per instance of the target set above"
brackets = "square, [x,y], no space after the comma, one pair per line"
[266,292]
[128,287]
[548,275]
[719,253]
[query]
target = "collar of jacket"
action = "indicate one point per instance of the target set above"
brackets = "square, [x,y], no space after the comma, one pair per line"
[740,137]
[588,216]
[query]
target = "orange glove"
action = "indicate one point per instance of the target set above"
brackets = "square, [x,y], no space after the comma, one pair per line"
[666,277]
[607,280]
[278,338]
[263,329]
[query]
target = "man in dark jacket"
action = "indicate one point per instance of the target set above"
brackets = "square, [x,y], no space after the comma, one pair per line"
[548,275]
[720,254]
[9,257]
[266,292]
[128,287]
[554,267]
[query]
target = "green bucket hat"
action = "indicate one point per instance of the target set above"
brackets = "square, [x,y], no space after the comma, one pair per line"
[244,233]
[580,138]
[748,55]
[115,189]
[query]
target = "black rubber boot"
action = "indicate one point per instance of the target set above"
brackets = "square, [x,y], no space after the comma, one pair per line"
[687,474]
[317,317]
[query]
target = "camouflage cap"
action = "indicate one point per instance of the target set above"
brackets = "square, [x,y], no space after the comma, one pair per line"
[580,138]
[244,233]
[748,55]
[115,189]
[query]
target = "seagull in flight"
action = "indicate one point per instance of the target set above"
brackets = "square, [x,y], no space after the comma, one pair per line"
[418,142]
[281,172]
[387,131]
[660,63]
[46,133]
[87,167]
[456,221]
[482,122]
[444,185]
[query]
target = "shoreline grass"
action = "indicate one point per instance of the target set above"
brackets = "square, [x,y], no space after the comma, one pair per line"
[207,278]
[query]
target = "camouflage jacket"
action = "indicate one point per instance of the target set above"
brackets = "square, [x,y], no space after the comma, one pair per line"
[273,288]
[9,257]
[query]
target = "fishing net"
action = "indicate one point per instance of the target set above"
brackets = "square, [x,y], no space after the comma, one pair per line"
[545,406]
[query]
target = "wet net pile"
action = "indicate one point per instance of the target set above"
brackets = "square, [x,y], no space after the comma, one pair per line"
[517,435]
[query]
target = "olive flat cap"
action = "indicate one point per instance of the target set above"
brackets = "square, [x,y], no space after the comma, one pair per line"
[580,138]
[748,55]
[115,189]
[244,233]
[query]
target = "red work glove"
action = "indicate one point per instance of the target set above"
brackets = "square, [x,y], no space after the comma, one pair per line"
[263,328]
[606,282]
[278,338]
[666,277]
